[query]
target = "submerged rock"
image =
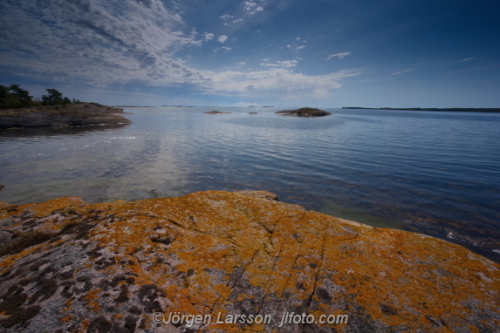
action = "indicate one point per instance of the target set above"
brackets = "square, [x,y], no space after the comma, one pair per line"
[305,112]
[1,187]
[72,115]
[217,112]
[239,261]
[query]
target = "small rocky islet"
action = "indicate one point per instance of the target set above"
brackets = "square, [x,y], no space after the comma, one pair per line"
[59,116]
[71,266]
[217,112]
[302,112]
[305,112]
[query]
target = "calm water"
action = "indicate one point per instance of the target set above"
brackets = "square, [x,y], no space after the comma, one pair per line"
[432,172]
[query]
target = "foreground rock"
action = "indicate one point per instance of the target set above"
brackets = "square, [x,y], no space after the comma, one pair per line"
[305,112]
[217,112]
[73,115]
[110,267]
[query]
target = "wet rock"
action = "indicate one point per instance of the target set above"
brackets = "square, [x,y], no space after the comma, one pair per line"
[113,267]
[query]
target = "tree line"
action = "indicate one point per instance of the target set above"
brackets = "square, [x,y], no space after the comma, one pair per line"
[427,109]
[14,96]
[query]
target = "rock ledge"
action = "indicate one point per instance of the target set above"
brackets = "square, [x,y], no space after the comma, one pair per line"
[70,266]
[73,115]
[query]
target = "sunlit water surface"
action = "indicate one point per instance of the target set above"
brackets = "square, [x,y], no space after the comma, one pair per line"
[432,172]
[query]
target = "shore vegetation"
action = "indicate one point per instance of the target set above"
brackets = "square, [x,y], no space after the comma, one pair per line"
[15,97]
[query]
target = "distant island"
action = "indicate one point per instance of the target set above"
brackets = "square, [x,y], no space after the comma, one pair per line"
[305,112]
[428,109]
[217,112]
[19,110]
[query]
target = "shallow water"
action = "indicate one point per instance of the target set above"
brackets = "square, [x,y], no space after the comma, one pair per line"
[432,172]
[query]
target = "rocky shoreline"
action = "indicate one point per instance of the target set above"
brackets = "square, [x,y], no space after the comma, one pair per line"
[59,116]
[71,266]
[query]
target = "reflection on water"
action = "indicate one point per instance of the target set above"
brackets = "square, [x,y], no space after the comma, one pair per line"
[19,132]
[427,171]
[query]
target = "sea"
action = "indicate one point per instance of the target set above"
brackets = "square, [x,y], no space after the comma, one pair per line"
[432,172]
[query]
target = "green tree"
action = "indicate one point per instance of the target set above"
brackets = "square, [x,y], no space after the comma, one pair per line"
[54,97]
[4,91]
[23,97]
[14,96]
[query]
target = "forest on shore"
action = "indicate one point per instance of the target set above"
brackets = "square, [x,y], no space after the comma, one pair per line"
[15,97]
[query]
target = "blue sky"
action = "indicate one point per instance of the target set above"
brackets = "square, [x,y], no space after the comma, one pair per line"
[323,53]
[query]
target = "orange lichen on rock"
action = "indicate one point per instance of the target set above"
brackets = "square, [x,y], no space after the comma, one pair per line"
[241,261]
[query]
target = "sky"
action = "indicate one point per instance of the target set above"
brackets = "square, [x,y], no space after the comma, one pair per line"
[317,53]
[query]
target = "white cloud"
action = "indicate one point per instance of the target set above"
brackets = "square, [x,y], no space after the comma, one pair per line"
[91,42]
[275,80]
[280,64]
[251,7]
[226,17]
[222,39]
[226,48]
[338,55]
[403,71]
[467,59]
[295,46]
[248,6]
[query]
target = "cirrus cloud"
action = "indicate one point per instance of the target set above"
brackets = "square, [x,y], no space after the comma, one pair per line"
[338,55]
[403,71]
[280,64]
[91,40]
[94,43]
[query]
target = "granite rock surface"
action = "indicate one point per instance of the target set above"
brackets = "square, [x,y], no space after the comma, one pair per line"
[239,261]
